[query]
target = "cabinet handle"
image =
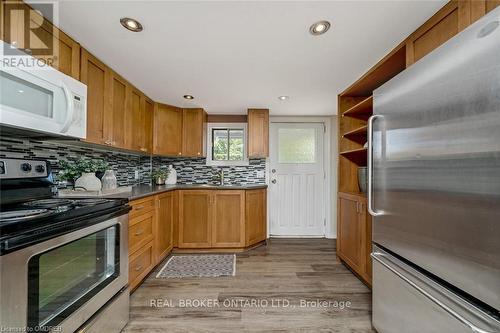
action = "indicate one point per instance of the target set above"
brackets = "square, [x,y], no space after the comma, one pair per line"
[357,207]
[138,268]
[139,232]
[139,207]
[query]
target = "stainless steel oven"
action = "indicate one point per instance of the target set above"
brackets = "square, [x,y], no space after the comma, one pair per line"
[60,284]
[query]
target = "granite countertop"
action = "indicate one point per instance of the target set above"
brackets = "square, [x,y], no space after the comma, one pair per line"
[143,190]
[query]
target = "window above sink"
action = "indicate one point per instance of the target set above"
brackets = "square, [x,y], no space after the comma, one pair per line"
[227,144]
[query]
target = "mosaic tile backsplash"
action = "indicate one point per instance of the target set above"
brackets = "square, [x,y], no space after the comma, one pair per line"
[189,170]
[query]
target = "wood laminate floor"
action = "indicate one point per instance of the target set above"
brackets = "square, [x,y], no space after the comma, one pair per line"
[276,289]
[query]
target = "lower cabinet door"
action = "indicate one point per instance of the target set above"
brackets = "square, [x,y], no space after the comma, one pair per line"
[228,224]
[140,264]
[350,233]
[195,219]
[164,225]
[256,211]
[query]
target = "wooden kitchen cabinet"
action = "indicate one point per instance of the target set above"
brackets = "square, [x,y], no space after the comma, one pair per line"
[164,224]
[96,76]
[354,234]
[258,133]
[28,30]
[228,220]
[167,136]
[117,109]
[194,132]
[139,121]
[147,124]
[255,216]
[221,218]
[141,263]
[454,17]
[195,219]
[141,231]
[133,120]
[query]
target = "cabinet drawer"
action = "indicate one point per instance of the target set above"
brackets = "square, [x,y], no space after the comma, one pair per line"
[142,206]
[140,231]
[140,264]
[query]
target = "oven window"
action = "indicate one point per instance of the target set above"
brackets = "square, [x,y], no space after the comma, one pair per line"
[62,279]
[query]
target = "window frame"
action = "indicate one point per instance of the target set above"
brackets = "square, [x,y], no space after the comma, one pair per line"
[210,128]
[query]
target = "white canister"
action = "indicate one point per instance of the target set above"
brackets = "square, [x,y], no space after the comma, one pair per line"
[172,175]
[88,181]
[109,181]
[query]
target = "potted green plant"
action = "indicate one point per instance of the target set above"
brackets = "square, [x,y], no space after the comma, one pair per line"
[82,172]
[159,176]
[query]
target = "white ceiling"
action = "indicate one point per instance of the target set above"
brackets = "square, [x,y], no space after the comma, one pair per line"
[232,55]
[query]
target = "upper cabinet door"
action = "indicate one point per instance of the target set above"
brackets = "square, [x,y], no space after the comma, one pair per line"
[194,130]
[167,130]
[134,120]
[147,122]
[446,23]
[28,30]
[117,110]
[96,76]
[258,133]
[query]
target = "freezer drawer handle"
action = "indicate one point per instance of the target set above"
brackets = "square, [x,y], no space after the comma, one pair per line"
[376,256]
[370,207]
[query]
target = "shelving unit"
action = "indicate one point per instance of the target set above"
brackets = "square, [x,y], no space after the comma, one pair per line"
[355,107]
[357,156]
[358,134]
[362,110]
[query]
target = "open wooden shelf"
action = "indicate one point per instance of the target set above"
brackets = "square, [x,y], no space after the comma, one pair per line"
[360,131]
[362,110]
[357,156]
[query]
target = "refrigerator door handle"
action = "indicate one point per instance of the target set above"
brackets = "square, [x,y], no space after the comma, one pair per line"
[370,207]
[379,257]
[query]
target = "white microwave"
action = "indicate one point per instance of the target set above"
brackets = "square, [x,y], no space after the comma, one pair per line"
[41,100]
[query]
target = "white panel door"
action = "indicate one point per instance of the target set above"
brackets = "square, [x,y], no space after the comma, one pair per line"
[297,192]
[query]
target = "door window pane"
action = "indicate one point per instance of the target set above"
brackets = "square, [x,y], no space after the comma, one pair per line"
[297,145]
[62,279]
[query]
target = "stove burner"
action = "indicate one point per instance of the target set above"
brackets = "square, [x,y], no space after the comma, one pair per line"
[49,203]
[21,215]
[89,202]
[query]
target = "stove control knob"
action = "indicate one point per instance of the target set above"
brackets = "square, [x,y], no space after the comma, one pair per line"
[40,168]
[26,167]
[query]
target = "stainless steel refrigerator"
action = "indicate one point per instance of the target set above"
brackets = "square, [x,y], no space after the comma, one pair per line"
[434,189]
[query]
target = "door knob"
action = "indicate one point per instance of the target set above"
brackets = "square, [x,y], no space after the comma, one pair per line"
[273,181]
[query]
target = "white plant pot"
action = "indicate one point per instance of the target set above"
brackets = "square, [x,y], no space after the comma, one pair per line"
[89,182]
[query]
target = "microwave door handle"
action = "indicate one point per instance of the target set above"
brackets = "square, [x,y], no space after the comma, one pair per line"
[69,108]
[370,208]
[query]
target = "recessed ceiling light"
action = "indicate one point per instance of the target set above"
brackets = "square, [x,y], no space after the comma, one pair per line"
[283,98]
[131,24]
[188,97]
[319,28]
